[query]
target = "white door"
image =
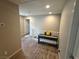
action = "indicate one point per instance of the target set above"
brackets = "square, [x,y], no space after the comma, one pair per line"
[76,48]
[73,46]
[26,26]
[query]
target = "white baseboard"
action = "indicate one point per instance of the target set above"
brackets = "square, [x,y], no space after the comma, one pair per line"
[14,53]
[3,57]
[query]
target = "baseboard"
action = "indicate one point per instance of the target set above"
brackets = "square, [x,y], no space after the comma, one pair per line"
[3,57]
[14,53]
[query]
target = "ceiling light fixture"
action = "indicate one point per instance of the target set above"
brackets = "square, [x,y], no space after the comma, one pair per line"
[50,12]
[47,6]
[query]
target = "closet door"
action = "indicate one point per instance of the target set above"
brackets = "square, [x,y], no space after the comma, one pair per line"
[76,48]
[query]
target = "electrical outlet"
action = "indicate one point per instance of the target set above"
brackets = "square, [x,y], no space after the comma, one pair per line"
[5,52]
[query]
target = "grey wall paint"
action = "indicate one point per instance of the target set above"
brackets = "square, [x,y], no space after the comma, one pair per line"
[65,28]
[10,32]
[40,24]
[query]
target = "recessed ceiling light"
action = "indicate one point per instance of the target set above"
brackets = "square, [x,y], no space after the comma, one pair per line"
[50,12]
[47,6]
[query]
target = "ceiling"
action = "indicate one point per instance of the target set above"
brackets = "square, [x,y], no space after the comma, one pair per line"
[37,7]
[19,1]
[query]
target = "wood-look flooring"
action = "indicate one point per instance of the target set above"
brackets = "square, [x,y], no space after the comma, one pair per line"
[32,50]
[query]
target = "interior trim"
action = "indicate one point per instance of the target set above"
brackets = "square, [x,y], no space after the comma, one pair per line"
[14,53]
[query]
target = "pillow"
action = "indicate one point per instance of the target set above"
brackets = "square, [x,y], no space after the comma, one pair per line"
[44,33]
[47,33]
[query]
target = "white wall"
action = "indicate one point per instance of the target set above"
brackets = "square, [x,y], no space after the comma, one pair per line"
[40,24]
[10,32]
[22,25]
[65,28]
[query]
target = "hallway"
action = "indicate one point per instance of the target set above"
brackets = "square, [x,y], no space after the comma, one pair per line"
[34,17]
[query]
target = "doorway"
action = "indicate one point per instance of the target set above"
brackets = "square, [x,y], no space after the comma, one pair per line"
[27,26]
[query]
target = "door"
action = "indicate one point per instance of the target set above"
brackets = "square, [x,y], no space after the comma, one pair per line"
[26,26]
[73,48]
[76,47]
